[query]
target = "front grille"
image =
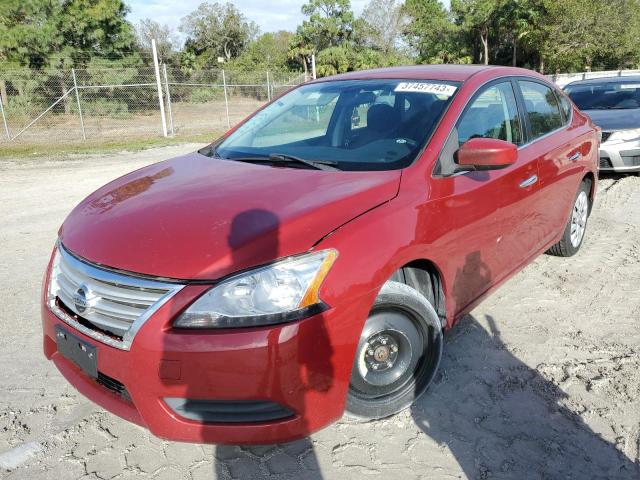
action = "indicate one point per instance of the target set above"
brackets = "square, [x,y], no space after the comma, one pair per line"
[630,160]
[605,163]
[114,385]
[111,306]
[605,136]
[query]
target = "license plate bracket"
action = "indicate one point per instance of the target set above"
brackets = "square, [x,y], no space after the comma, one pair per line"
[82,353]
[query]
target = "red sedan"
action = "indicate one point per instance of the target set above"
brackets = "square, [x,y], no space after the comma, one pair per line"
[309,261]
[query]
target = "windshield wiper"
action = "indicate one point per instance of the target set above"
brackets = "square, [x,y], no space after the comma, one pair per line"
[319,164]
[284,158]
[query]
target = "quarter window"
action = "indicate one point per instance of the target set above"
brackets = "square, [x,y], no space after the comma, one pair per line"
[542,108]
[493,114]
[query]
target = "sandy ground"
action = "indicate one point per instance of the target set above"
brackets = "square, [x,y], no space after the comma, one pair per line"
[540,381]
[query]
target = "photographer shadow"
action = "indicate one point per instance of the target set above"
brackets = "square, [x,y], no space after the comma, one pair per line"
[295,459]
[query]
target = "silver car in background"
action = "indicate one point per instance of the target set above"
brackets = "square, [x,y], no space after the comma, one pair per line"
[614,105]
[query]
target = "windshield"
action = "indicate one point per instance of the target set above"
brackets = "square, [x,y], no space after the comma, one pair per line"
[605,96]
[355,124]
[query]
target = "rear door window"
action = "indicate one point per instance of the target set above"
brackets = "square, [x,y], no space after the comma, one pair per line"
[542,108]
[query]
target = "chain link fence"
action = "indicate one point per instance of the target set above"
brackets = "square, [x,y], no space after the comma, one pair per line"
[114,103]
[54,106]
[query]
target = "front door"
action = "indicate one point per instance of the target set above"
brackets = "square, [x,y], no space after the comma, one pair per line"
[489,209]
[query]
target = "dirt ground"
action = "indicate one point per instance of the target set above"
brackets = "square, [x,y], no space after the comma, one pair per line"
[541,381]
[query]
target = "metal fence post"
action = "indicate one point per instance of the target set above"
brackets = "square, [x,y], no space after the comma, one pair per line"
[226,99]
[4,118]
[156,67]
[75,87]
[268,87]
[166,86]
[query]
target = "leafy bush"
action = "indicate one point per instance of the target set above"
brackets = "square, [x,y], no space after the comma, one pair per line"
[104,107]
[21,106]
[206,94]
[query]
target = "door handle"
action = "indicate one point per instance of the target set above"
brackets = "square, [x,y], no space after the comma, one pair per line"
[529,181]
[575,156]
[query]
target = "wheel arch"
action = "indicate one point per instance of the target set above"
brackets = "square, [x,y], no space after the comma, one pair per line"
[591,178]
[425,276]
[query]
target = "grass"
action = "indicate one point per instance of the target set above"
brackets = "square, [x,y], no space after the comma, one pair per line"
[99,146]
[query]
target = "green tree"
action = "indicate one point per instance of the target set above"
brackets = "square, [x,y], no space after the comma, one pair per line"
[92,29]
[431,31]
[27,31]
[270,51]
[301,50]
[479,18]
[63,34]
[334,60]
[587,34]
[343,43]
[217,30]
[94,32]
[331,23]
[520,27]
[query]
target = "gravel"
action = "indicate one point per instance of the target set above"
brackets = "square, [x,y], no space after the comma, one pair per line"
[542,380]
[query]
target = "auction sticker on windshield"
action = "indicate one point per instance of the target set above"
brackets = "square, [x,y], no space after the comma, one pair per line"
[419,87]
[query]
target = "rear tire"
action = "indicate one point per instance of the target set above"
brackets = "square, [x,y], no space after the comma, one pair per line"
[398,353]
[576,227]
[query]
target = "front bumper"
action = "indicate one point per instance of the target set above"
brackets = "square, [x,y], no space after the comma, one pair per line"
[620,157]
[302,366]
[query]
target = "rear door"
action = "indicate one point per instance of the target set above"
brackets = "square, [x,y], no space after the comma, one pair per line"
[557,154]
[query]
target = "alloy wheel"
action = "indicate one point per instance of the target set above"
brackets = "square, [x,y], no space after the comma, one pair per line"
[579,219]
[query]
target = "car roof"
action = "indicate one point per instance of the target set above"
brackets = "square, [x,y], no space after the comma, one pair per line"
[454,73]
[600,80]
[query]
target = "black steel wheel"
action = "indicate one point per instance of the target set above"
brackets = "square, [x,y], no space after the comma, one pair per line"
[398,353]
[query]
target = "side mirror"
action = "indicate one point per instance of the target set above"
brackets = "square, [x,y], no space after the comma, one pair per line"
[486,154]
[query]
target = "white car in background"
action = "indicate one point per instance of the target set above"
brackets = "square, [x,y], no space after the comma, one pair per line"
[614,105]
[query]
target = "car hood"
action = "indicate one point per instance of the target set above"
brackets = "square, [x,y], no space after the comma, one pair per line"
[610,120]
[195,217]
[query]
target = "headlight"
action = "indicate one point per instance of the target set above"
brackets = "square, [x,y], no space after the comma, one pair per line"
[281,292]
[624,136]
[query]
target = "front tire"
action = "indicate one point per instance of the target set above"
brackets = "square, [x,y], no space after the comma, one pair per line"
[398,353]
[574,231]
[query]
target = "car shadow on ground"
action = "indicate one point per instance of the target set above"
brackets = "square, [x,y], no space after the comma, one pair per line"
[500,418]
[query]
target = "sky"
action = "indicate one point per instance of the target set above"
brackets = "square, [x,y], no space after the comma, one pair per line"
[270,15]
